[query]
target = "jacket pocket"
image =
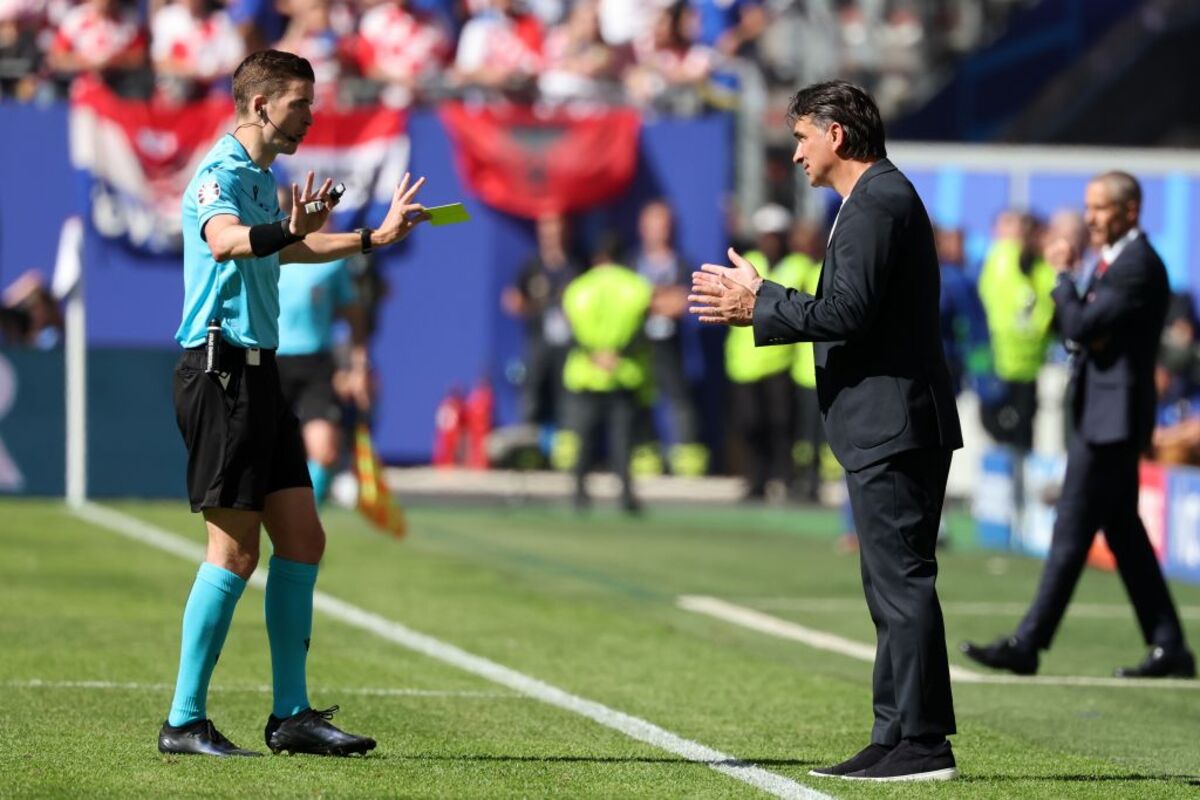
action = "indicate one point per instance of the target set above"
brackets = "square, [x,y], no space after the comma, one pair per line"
[873,412]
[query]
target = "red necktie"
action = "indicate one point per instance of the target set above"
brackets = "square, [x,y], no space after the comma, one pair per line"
[1101,268]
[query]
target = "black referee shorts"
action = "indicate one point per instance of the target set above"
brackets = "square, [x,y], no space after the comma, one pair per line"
[242,438]
[307,383]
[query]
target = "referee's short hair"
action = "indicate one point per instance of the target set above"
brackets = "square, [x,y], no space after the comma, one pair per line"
[267,72]
[848,105]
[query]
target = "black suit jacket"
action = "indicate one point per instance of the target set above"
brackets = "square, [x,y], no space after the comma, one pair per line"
[1117,326]
[882,379]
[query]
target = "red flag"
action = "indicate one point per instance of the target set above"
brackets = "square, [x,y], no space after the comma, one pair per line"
[529,163]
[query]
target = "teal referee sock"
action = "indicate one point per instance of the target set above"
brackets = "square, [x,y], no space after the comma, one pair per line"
[289,627]
[320,481]
[206,619]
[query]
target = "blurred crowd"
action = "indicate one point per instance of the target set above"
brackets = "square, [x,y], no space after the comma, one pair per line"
[678,56]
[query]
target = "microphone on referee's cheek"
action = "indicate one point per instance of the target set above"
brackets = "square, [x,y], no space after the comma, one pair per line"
[262,112]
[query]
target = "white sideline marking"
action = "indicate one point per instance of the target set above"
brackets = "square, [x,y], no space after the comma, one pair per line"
[962,608]
[384,628]
[784,629]
[37,683]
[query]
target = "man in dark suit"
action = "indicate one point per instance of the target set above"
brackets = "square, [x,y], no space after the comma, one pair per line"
[1113,331]
[887,403]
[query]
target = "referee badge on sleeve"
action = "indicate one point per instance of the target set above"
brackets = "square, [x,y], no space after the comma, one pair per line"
[207,192]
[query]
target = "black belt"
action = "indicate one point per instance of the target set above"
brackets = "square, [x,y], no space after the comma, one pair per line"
[232,354]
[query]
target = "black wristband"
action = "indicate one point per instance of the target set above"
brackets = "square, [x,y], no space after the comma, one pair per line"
[271,237]
[364,236]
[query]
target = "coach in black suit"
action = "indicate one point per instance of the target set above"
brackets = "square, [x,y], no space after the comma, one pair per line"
[1114,332]
[887,402]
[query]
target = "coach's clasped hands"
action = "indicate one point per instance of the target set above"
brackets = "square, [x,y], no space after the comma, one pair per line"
[725,295]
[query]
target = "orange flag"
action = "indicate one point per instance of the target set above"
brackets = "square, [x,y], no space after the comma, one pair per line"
[374,500]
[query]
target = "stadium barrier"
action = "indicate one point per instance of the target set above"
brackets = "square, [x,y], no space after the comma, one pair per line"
[1168,504]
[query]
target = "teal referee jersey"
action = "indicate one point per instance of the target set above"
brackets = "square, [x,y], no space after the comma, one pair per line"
[309,300]
[243,293]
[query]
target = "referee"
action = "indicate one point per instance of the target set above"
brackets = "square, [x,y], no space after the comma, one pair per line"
[246,459]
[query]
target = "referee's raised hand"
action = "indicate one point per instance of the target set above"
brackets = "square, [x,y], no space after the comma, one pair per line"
[303,221]
[404,214]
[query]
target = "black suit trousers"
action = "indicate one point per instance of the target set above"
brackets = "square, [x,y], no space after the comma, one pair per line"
[897,507]
[1100,492]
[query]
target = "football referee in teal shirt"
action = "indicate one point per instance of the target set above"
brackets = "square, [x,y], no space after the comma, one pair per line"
[246,460]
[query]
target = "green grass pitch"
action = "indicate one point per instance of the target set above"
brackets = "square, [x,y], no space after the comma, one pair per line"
[89,623]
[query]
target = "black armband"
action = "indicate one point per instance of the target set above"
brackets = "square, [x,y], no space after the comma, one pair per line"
[271,237]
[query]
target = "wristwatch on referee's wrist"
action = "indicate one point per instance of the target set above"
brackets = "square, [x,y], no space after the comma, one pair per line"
[364,235]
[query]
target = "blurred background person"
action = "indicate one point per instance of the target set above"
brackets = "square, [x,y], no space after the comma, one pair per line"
[964,322]
[577,64]
[760,380]
[402,48]
[20,52]
[104,38]
[658,261]
[670,70]
[1015,286]
[32,317]
[312,34]
[500,48]
[193,44]
[1114,330]
[536,298]
[607,369]
[1177,379]
[811,456]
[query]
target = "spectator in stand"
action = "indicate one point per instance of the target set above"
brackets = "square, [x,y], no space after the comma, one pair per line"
[20,55]
[103,38]
[669,68]
[401,47]
[577,63]
[193,44]
[311,35]
[500,49]
[1015,287]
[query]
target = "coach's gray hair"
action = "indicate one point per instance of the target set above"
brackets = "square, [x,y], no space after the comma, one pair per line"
[1123,188]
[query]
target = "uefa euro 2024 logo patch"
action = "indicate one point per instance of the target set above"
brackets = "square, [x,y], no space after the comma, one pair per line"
[207,192]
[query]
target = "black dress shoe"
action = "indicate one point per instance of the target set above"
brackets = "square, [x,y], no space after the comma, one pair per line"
[311,732]
[199,738]
[911,761]
[1177,662]
[1004,653]
[869,756]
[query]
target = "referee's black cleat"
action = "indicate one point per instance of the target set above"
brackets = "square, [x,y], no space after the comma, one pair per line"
[311,732]
[199,738]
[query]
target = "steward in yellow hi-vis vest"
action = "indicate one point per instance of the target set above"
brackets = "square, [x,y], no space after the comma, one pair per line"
[762,394]
[607,367]
[1015,287]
